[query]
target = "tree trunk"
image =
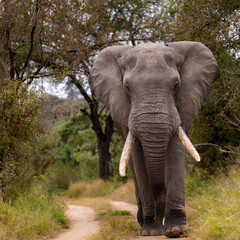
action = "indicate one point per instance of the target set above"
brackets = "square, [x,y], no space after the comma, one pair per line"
[105,164]
[104,136]
[103,140]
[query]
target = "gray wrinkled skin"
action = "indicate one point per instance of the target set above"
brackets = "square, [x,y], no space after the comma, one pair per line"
[151,90]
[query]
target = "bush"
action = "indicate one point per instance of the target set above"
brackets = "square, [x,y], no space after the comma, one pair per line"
[61,175]
[20,122]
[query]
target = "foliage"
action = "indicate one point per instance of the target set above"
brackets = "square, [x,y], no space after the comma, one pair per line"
[20,115]
[28,210]
[60,39]
[215,23]
[77,147]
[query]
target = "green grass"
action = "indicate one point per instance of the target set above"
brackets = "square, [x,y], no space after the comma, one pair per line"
[213,206]
[31,216]
[114,213]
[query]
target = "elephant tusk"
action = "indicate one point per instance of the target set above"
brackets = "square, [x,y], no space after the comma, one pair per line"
[126,154]
[187,144]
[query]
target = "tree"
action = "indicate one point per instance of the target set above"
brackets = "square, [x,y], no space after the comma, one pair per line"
[86,28]
[59,39]
[215,23]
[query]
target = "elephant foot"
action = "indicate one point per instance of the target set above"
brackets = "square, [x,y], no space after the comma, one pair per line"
[150,228]
[175,224]
[176,232]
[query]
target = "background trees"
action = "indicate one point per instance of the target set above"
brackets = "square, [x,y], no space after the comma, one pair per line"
[82,30]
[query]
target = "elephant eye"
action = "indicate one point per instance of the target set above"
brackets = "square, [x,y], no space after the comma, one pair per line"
[176,85]
[127,87]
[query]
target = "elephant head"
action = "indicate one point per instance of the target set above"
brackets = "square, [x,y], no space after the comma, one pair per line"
[154,89]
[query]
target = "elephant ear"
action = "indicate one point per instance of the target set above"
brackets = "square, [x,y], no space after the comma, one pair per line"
[106,82]
[198,69]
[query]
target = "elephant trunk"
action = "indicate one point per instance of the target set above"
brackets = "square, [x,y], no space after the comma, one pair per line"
[154,135]
[154,120]
[155,132]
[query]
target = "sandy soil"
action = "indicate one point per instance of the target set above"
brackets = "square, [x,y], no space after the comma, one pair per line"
[83,224]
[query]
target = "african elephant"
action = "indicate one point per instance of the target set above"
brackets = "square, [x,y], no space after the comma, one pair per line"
[153,91]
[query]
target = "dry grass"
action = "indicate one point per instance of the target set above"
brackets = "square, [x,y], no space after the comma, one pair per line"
[96,189]
[124,193]
[31,216]
[116,225]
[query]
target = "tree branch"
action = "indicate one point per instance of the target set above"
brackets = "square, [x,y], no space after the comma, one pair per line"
[31,41]
[81,89]
[101,111]
[11,53]
[97,46]
[31,78]
[218,147]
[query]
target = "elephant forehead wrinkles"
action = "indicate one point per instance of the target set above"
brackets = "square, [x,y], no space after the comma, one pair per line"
[149,54]
[150,59]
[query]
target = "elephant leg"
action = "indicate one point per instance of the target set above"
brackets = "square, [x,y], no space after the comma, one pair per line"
[139,204]
[175,215]
[144,195]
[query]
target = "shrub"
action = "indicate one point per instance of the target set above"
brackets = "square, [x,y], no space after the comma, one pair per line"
[20,121]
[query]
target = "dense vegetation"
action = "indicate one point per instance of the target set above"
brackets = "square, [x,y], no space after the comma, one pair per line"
[216,24]
[47,143]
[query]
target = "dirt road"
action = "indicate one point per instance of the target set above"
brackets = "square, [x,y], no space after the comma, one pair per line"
[83,223]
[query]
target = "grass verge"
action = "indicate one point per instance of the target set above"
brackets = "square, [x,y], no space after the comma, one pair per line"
[116,225]
[213,206]
[31,216]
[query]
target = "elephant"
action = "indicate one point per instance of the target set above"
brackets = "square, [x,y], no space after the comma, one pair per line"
[153,92]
